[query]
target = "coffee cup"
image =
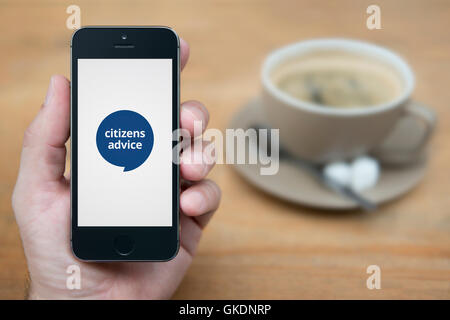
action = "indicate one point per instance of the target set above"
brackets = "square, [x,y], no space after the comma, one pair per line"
[336,99]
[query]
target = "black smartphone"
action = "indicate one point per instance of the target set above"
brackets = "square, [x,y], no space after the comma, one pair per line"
[124,109]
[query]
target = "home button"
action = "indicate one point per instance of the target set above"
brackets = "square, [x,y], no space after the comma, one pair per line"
[124,245]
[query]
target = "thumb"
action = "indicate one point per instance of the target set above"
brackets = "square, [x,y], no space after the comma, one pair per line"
[44,153]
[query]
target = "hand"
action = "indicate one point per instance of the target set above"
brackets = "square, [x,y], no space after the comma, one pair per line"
[41,202]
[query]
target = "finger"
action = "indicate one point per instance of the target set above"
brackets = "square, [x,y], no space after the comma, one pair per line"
[203,220]
[190,235]
[194,117]
[44,152]
[197,161]
[51,125]
[200,201]
[184,48]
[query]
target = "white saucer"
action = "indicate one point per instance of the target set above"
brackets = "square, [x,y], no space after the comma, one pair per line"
[296,185]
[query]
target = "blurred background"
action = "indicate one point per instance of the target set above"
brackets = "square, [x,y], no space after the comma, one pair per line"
[257,246]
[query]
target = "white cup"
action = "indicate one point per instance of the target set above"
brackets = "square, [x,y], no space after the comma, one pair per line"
[323,134]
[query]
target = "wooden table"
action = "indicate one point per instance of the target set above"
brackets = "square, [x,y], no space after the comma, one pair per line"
[257,246]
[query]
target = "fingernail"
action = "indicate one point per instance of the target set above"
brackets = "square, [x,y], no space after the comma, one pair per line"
[197,114]
[197,201]
[208,158]
[50,92]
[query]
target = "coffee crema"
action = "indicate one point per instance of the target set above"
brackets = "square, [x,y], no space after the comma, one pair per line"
[338,79]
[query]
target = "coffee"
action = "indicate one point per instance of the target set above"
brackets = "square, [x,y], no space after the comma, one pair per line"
[338,79]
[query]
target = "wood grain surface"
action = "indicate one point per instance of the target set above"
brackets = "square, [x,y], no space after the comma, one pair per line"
[256,246]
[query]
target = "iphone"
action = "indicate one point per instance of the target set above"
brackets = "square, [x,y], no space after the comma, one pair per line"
[124,109]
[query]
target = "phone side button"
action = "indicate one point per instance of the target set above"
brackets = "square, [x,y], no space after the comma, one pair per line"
[123,245]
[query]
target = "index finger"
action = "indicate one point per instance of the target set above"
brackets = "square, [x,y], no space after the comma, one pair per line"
[184,49]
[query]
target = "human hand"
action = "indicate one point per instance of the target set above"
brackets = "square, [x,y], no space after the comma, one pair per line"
[41,203]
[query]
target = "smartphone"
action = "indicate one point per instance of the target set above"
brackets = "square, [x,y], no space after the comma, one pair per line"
[124,109]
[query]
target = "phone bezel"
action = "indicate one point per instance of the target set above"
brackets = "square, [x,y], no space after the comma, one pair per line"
[151,243]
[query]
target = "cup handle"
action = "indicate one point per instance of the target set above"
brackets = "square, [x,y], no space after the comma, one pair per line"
[407,155]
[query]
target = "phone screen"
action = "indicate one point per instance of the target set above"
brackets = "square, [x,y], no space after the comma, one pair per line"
[124,142]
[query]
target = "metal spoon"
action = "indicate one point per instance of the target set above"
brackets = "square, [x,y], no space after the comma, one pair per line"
[317,172]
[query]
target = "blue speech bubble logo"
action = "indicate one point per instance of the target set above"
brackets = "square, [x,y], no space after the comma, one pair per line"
[125,139]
